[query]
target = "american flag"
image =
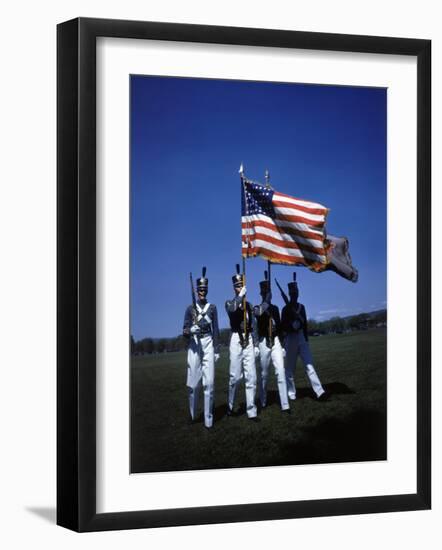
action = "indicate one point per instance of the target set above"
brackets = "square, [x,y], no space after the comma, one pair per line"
[283,229]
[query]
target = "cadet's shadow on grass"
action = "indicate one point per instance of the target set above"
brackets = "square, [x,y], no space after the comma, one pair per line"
[337,388]
[333,388]
[220,411]
[360,436]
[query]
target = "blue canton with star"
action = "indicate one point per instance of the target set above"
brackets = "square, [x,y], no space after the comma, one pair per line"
[257,199]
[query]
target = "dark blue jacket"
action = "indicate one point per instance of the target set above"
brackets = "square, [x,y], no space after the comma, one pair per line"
[236,317]
[290,313]
[263,312]
[190,317]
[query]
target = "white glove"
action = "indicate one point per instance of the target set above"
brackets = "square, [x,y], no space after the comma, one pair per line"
[216,357]
[242,292]
[256,353]
[284,353]
[195,329]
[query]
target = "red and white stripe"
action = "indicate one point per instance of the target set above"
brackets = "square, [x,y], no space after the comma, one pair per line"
[295,236]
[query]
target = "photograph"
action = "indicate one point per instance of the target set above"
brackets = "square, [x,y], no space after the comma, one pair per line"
[258,274]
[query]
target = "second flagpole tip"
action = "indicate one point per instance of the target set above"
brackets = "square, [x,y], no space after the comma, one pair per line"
[267,178]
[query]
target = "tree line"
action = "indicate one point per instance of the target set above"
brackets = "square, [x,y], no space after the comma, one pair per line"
[362,321]
[338,325]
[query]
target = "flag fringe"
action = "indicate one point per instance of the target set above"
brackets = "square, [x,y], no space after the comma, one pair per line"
[317,267]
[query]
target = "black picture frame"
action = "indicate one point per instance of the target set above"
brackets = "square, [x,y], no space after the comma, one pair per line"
[76,274]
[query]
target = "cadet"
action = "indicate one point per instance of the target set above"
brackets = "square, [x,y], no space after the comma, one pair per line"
[270,349]
[294,325]
[243,347]
[201,329]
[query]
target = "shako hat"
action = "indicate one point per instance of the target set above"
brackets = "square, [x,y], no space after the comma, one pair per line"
[264,285]
[202,283]
[293,285]
[237,279]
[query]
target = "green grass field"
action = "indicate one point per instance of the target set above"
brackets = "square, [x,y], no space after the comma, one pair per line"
[350,426]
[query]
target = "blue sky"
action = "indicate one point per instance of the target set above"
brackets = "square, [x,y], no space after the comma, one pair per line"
[188,138]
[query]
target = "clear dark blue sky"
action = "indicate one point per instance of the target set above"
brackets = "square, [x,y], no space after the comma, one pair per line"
[188,138]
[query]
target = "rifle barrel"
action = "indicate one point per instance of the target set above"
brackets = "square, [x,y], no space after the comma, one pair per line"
[283,294]
[192,290]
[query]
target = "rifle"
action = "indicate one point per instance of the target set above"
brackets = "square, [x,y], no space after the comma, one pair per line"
[283,294]
[287,303]
[192,291]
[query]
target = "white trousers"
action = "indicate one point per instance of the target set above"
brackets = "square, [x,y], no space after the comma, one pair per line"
[201,368]
[296,344]
[242,360]
[275,355]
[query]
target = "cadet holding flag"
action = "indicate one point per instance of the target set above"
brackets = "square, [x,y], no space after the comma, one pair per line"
[270,348]
[294,325]
[243,346]
[201,330]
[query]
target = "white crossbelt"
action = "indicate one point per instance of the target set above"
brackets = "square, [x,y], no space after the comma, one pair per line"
[202,313]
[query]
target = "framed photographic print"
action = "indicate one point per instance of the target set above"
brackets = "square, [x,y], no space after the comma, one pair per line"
[243,274]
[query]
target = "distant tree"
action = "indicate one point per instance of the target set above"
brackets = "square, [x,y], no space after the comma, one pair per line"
[132,345]
[167,344]
[380,317]
[180,343]
[147,345]
[137,346]
[326,326]
[336,324]
[353,322]
[161,345]
[359,321]
[313,326]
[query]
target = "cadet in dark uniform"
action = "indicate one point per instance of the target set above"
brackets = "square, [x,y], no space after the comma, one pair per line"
[243,347]
[294,325]
[270,348]
[201,330]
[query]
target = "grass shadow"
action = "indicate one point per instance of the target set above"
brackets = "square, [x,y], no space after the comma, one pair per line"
[362,436]
[332,388]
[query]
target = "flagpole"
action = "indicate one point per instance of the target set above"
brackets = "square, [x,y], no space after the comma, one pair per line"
[241,174]
[269,263]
